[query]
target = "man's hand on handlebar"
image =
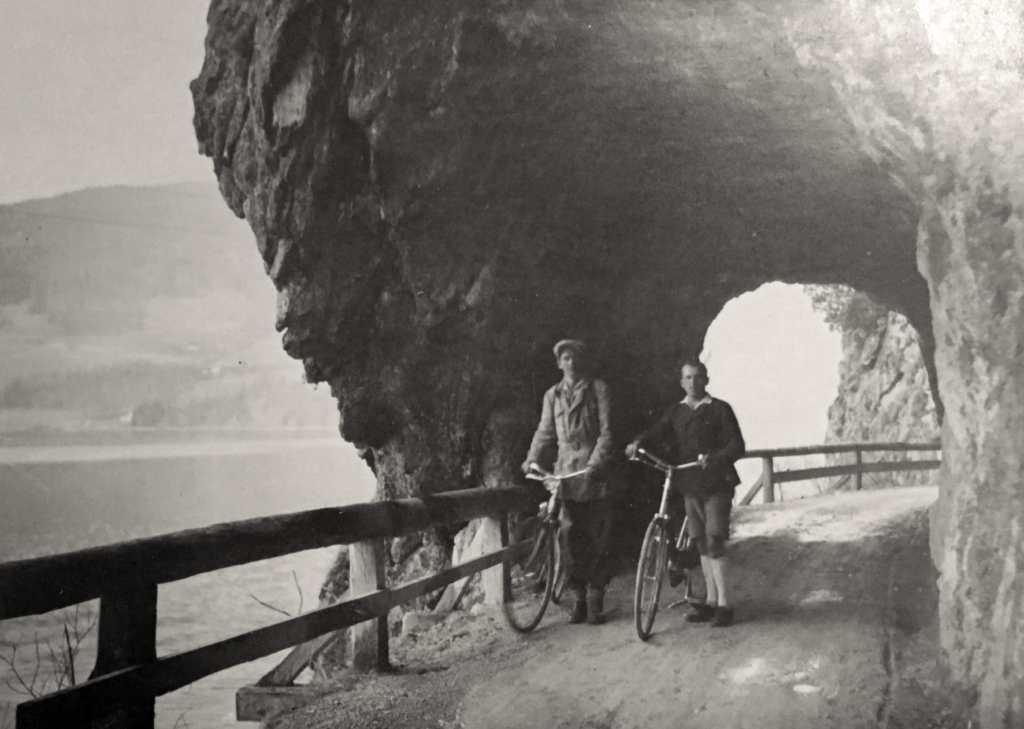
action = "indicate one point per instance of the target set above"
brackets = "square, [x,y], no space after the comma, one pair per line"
[631,449]
[546,477]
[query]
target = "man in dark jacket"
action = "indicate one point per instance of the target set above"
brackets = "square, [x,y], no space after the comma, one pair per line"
[576,418]
[701,428]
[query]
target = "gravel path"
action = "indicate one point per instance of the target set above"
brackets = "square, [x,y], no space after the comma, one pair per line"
[836,628]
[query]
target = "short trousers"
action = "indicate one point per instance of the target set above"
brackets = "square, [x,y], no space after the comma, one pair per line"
[708,515]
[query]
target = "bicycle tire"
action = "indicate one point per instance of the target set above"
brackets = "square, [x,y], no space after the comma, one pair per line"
[530,582]
[650,572]
[561,566]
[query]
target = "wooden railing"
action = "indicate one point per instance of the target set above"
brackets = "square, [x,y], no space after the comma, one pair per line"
[128,675]
[769,477]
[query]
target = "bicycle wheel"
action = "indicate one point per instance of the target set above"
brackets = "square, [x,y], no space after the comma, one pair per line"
[561,566]
[650,571]
[530,582]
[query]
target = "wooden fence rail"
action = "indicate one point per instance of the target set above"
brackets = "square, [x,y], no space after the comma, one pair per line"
[34,586]
[770,477]
[128,676]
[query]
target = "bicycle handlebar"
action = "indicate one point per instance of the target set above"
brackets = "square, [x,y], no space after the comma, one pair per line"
[538,475]
[655,462]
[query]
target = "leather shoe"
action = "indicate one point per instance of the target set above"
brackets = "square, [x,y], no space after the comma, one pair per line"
[723,617]
[701,613]
[579,607]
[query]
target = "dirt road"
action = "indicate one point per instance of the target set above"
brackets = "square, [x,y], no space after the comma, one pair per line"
[835,628]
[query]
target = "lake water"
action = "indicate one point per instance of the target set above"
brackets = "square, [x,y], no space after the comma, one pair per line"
[58,499]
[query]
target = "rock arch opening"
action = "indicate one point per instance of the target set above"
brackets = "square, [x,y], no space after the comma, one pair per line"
[773,357]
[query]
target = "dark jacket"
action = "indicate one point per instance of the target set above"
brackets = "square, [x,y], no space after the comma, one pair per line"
[683,434]
[582,432]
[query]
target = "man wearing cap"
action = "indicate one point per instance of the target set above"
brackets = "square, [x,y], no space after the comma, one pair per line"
[575,418]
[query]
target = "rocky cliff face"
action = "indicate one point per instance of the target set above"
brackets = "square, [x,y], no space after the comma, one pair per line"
[441,193]
[885,392]
[441,190]
[935,90]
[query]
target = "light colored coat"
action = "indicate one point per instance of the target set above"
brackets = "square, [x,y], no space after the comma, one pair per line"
[581,430]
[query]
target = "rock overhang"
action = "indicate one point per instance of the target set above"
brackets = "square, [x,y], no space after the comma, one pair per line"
[441,190]
[615,154]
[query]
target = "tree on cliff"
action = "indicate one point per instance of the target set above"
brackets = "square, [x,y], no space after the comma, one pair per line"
[845,309]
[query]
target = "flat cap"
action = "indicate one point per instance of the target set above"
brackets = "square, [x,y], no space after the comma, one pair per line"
[573,344]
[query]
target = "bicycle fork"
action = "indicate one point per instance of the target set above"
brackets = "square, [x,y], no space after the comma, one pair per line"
[663,514]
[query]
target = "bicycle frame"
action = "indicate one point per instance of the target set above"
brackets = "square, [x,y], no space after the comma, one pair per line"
[651,565]
[653,461]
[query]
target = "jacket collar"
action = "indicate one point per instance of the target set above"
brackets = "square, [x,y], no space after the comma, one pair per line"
[581,384]
[706,400]
[573,396]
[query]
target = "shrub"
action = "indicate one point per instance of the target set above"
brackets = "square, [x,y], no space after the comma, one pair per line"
[845,309]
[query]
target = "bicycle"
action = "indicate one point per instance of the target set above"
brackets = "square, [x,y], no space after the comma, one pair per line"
[651,568]
[535,579]
[552,510]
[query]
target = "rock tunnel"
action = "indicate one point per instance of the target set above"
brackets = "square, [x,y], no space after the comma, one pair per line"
[441,190]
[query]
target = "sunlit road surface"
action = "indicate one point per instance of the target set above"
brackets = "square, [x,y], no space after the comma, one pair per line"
[815,646]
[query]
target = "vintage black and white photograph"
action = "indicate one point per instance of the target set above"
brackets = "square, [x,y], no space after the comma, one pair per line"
[512,364]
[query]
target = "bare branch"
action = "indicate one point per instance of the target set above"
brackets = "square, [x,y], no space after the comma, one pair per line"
[35,674]
[72,652]
[17,689]
[61,661]
[23,686]
[299,588]
[266,605]
[57,666]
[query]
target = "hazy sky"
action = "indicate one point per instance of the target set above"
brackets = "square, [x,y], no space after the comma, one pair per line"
[776,361]
[96,93]
[773,358]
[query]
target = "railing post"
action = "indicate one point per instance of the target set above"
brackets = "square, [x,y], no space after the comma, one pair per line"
[369,639]
[494,536]
[767,482]
[858,483]
[127,637]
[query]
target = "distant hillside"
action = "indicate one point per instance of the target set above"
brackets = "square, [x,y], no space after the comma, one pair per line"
[91,261]
[116,297]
